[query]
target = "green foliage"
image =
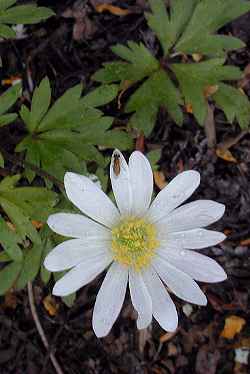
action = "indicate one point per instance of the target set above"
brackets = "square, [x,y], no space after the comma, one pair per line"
[187,27]
[24,204]
[204,74]
[21,14]
[234,104]
[63,136]
[21,243]
[7,100]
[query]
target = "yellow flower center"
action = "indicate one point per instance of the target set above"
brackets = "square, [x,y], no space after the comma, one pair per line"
[134,242]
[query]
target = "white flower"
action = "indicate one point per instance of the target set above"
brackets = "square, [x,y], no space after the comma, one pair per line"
[142,244]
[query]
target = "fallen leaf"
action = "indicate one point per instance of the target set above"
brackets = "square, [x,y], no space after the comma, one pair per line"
[83,28]
[233,325]
[227,231]
[245,242]
[168,336]
[11,226]
[117,11]
[37,224]
[197,57]
[210,90]
[189,108]
[15,79]
[50,305]
[10,301]
[225,155]
[159,179]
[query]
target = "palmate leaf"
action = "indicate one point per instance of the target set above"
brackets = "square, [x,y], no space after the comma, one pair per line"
[185,27]
[194,78]
[157,91]
[23,204]
[207,18]
[140,64]
[168,27]
[7,100]
[63,136]
[21,14]
[234,104]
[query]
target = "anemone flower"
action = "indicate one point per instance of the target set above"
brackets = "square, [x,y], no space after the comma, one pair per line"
[143,244]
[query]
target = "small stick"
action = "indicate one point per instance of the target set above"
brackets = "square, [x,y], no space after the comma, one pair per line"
[40,329]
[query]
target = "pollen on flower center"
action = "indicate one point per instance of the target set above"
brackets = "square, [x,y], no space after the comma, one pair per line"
[134,242]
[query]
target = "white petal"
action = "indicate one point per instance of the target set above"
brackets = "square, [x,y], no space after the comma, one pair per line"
[164,310]
[142,182]
[141,299]
[190,216]
[71,252]
[109,299]
[120,180]
[191,239]
[177,191]
[77,226]
[181,284]
[90,199]
[80,275]
[198,266]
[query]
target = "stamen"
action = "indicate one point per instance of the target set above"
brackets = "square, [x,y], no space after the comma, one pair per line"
[134,242]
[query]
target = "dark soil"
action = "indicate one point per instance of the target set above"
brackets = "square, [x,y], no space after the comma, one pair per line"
[197,347]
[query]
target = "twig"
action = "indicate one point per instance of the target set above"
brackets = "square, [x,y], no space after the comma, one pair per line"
[15,160]
[40,329]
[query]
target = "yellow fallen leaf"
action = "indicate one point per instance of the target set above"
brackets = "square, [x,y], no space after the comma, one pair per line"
[189,108]
[233,325]
[117,11]
[245,242]
[37,224]
[197,57]
[159,179]
[226,155]
[50,305]
[210,90]
[11,226]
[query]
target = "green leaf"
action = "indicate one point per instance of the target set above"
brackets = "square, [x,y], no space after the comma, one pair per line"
[40,104]
[234,103]
[30,267]
[157,91]
[100,96]
[168,27]
[153,157]
[9,241]
[63,137]
[69,300]
[8,276]
[6,32]
[5,119]
[23,204]
[1,160]
[25,14]
[9,97]
[4,4]
[140,64]
[204,74]
[207,18]
[144,119]
[63,107]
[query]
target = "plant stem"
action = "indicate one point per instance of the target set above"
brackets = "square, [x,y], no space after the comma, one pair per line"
[40,329]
